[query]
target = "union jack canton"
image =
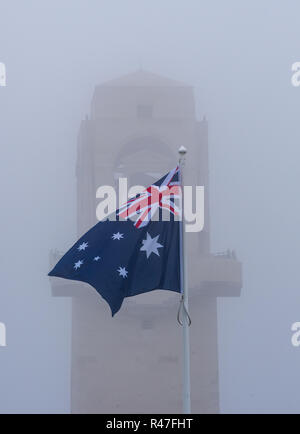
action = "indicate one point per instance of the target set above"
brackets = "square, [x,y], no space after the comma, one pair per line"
[160,195]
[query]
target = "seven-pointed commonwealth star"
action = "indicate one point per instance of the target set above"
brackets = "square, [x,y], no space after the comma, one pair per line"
[78,264]
[122,272]
[117,236]
[83,246]
[150,245]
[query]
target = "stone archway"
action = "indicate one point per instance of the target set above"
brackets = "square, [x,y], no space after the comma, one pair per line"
[143,160]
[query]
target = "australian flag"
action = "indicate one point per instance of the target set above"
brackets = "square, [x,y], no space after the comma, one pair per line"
[134,254]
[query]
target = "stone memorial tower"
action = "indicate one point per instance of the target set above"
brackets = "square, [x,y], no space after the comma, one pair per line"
[132,363]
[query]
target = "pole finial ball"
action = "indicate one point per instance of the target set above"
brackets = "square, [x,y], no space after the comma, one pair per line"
[182,151]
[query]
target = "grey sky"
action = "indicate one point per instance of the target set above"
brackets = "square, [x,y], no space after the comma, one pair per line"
[238,55]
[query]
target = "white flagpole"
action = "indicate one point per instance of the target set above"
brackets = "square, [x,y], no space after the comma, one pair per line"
[184,288]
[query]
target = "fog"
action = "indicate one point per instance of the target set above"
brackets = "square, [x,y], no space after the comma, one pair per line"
[238,57]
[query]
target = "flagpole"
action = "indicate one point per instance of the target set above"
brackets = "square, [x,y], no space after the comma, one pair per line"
[186,390]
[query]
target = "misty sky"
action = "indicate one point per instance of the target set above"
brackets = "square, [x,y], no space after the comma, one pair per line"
[238,56]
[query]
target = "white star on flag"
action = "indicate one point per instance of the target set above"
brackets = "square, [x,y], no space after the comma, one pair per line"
[122,272]
[83,246]
[96,258]
[78,264]
[117,236]
[150,245]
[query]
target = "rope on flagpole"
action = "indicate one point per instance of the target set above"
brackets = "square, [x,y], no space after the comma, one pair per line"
[183,308]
